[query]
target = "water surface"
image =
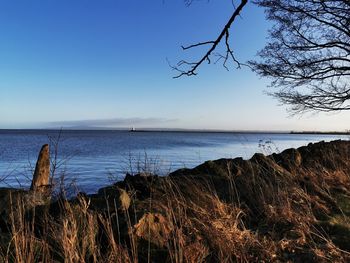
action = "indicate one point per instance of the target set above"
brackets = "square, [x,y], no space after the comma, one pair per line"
[92,159]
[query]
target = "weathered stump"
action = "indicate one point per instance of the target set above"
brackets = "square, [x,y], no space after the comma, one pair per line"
[13,201]
[41,175]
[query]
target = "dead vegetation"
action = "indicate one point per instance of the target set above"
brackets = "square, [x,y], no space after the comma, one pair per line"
[288,207]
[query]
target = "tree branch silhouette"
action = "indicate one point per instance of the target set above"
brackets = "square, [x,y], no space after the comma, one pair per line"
[308,54]
[189,68]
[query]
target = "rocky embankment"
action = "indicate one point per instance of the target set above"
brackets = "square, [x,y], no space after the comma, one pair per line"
[293,206]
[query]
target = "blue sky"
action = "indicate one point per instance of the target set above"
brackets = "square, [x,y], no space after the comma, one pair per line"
[104,63]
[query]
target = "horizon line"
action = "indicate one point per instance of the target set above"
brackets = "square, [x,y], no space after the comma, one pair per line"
[345,132]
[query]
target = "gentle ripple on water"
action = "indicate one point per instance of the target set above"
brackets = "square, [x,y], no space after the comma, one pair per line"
[96,158]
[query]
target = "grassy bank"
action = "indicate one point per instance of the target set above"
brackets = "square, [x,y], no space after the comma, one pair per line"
[293,206]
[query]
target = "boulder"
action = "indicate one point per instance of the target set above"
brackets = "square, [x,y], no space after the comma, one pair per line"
[155,228]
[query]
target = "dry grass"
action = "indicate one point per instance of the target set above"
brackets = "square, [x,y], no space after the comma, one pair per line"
[225,211]
[181,231]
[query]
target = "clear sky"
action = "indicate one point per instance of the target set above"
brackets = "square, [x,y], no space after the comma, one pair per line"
[104,63]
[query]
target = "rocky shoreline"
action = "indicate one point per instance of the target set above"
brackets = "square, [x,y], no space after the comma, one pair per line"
[292,206]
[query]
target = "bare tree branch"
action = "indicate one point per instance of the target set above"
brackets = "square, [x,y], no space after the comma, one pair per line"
[308,54]
[189,68]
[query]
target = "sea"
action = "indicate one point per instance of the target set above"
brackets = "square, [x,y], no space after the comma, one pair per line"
[86,160]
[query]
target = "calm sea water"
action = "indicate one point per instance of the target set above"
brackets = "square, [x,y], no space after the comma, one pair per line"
[92,159]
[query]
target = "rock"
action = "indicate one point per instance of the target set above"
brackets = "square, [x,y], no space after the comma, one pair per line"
[114,196]
[41,175]
[155,228]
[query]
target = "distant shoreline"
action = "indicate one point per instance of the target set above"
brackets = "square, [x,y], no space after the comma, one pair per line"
[94,129]
[319,132]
